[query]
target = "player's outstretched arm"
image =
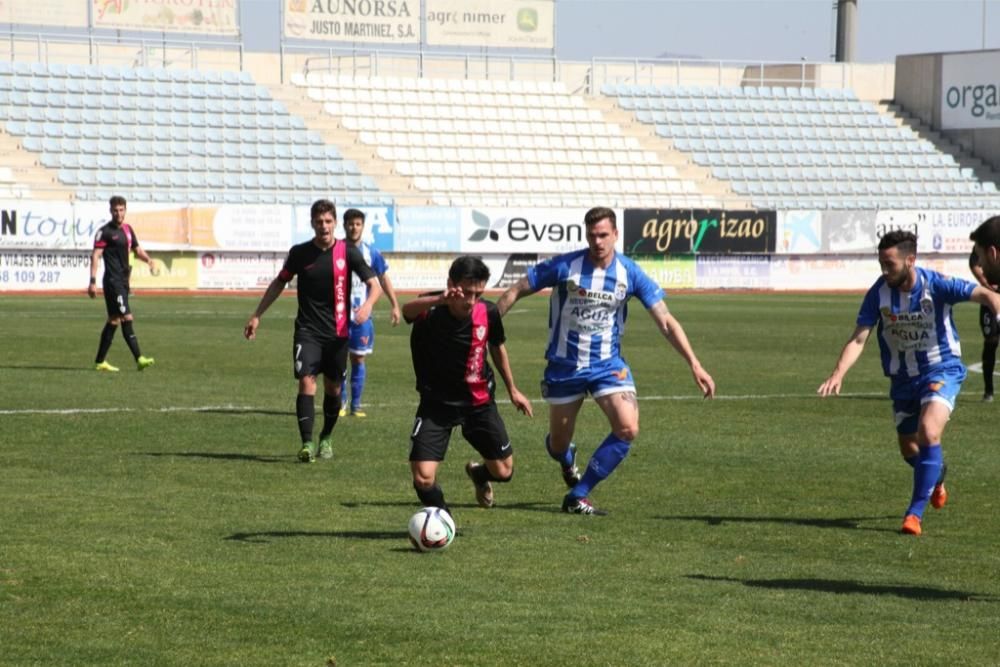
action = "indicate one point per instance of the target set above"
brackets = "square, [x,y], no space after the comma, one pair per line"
[985,296]
[390,292]
[674,333]
[852,351]
[502,362]
[364,311]
[519,289]
[272,292]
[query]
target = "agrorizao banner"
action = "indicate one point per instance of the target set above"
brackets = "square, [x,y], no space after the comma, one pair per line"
[694,231]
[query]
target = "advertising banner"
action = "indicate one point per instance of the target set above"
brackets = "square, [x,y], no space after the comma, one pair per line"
[214,17]
[510,230]
[227,270]
[680,231]
[970,90]
[44,12]
[937,231]
[381,21]
[505,271]
[47,225]
[523,24]
[733,272]
[669,272]
[176,270]
[428,229]
[44,270]
[849,232]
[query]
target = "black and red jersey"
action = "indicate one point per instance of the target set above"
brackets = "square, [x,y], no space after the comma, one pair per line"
[450,355]
[324,287]
[117,242]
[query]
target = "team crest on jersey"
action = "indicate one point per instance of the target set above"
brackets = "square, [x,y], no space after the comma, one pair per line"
[926,306]
[340,264]
[480,332]
[620,290]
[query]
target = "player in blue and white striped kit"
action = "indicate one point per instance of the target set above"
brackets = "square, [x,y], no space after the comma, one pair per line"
[362,336]
[590,292]
[912,310]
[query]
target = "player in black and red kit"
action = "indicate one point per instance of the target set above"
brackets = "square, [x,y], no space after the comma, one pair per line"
[990,327]
[452,331]
[324,267]
[113,243]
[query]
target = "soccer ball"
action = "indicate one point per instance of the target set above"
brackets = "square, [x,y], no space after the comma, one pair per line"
[431,529]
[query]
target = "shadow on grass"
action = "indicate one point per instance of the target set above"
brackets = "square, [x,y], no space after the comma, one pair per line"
[225,457]
[845,523]
[263,537]
[531,507]
[846,586]
[88,369]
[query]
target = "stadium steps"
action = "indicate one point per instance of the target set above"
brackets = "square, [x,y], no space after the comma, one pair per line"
[348,143]
[963,156]
[27,172]
[664,150]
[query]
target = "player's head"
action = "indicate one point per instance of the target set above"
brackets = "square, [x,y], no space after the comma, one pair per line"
[986,238]
[602,232]
[323,217]
[471,275]
[354,225]
[117,205]
[897,256]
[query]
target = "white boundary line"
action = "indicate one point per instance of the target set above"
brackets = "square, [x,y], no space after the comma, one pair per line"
[251,408]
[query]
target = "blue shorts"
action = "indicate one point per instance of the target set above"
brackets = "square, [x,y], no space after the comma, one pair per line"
[566,384]
[910,394]
[362,337]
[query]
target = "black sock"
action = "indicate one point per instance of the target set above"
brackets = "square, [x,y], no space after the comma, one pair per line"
[305,410]
[130,339]
[107,335]
[432,497]
[481,474]
[989,363]
[331,412]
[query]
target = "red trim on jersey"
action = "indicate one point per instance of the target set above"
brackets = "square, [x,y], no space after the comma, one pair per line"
[338,255]
[128,236]
[474,378]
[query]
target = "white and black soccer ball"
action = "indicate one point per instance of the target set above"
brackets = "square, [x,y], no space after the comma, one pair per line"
[431,529]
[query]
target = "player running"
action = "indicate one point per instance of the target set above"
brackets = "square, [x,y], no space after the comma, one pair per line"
[324,267]
[921,355]
[452,331]
[590,292]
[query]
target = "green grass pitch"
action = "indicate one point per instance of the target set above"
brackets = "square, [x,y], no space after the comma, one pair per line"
[161,518]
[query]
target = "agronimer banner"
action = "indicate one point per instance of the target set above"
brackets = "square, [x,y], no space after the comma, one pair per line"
[381,21]
[970,90]
[215,17]
[523,24]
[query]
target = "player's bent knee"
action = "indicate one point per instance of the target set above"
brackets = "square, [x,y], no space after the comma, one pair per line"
[422,482]
[627,433]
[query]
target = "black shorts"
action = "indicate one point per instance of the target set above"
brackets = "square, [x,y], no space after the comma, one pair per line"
[481,426]
[988,323]
[312,357]
[116,300]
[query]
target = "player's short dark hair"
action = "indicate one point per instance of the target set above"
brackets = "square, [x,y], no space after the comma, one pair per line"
[353,214]
[468,267]
[988,233]
[117,200]
[898,238]
[321,206]
[598,213]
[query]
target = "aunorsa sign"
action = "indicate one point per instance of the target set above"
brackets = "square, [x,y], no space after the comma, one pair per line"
[680,231]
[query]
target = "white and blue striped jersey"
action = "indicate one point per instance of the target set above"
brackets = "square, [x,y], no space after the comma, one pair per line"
[916,330]
[359,289]
[588,306]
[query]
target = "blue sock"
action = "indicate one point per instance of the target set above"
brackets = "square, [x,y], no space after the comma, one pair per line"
[565,459]
[925,476]
[357,384]
[609,454]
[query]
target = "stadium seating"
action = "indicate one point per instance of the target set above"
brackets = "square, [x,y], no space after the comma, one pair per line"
[500,142]
[804,147]
[171,135]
